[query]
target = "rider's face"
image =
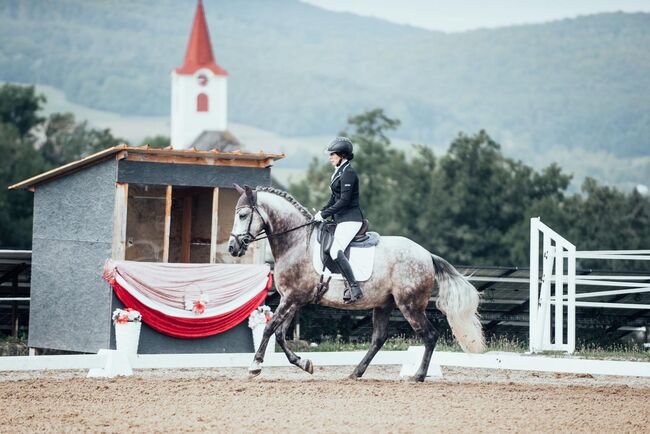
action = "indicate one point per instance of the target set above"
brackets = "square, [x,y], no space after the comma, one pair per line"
[335,159]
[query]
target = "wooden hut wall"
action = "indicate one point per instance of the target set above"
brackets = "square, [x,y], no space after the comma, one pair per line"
[73,224]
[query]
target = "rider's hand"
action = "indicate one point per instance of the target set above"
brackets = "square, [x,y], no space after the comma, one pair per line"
[318,217]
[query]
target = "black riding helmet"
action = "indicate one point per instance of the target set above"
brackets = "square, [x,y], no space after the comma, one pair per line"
[341,146]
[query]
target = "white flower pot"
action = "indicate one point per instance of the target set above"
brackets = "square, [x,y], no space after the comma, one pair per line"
[127,336]
[258,333]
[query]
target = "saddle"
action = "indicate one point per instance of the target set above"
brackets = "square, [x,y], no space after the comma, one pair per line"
[325,237]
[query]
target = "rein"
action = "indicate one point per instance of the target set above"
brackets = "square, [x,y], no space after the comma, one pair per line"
[248,238]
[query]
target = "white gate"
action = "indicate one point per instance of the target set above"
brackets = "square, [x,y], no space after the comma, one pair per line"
[553,294]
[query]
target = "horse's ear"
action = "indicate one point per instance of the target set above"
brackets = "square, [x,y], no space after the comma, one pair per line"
[251,195]
[239,189]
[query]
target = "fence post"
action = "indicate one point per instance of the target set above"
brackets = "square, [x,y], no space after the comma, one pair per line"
[543,315]
[571,300]
[534,282]
[559,295]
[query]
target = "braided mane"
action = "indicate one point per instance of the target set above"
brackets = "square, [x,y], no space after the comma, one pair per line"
[288,197]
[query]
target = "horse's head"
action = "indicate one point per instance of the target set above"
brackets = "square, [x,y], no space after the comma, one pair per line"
[248,224]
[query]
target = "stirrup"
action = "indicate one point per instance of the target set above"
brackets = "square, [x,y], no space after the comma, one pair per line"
[348,298]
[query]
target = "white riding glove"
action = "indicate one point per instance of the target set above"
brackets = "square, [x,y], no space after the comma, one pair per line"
[318,217]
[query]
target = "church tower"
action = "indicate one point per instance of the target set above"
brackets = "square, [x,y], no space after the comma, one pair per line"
[199,90]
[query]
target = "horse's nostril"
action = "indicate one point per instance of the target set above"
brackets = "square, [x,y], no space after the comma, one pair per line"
[231,249]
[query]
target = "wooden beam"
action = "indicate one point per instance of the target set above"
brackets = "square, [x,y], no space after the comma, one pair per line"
[186,233]
[118,250]
[168,223]
[215,225]
[208,161]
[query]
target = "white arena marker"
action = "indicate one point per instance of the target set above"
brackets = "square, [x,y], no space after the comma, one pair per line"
[116,364]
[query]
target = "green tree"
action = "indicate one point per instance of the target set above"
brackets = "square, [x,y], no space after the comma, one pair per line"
[19,106]
[66,140]
[479,196]
[21,161]
[156,141]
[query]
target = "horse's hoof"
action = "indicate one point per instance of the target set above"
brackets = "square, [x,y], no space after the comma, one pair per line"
[417,379]
[254,370]
[354,376]
[307,366]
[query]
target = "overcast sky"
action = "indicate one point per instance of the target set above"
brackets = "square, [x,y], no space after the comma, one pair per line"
[460,15]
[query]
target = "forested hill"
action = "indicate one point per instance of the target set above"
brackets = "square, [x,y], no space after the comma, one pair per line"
[297,69]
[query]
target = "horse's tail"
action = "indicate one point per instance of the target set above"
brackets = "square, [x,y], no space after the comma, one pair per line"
[458,300]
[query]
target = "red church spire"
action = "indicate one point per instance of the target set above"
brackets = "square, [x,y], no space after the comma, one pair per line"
[199,50]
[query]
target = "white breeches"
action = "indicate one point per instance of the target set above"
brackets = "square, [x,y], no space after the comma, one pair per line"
[344,233]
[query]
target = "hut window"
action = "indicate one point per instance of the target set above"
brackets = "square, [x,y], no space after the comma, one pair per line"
[202,103]
[145,223]
[189,236]
[191,223]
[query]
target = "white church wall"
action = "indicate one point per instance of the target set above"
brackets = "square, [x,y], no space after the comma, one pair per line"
[187,123]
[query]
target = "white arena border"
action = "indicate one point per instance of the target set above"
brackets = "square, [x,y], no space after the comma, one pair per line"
[111,363]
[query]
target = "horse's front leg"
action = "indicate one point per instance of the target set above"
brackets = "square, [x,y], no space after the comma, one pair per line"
[285,309]
[280,337]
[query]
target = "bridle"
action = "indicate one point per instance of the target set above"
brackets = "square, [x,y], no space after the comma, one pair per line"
[244,239]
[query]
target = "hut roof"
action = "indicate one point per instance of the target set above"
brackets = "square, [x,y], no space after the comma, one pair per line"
[159,155]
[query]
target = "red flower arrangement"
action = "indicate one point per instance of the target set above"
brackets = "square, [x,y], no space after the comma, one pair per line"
[197,306]
[123,316]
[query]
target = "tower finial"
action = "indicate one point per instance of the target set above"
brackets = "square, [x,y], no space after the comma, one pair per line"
[199,49]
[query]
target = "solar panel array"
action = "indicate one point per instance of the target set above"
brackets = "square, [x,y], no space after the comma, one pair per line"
[15,275]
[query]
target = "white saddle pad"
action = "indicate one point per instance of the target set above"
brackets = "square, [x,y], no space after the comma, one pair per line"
[361,261]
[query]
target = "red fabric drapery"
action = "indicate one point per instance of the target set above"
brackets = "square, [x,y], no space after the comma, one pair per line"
[191,327]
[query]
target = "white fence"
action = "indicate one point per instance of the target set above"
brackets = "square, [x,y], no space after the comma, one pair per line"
[553,296]
[111,363]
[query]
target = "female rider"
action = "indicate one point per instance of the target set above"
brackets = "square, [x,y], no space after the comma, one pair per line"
[344,207]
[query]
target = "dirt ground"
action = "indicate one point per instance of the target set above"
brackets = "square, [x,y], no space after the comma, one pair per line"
[288,400]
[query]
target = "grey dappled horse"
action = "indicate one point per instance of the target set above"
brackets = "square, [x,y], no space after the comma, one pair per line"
[403,277]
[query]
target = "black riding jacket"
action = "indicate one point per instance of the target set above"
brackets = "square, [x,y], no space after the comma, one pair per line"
[344,202]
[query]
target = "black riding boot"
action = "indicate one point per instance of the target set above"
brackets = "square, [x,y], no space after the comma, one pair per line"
[354,290]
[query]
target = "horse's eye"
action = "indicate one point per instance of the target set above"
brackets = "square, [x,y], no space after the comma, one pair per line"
[242,216]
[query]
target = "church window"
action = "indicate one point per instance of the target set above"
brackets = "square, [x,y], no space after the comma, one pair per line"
[202,103]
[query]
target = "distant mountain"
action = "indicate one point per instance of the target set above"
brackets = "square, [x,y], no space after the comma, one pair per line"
[300,70]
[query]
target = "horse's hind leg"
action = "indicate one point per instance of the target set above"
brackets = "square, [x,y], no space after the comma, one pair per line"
[280,337]
[418,320]
[380,319]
